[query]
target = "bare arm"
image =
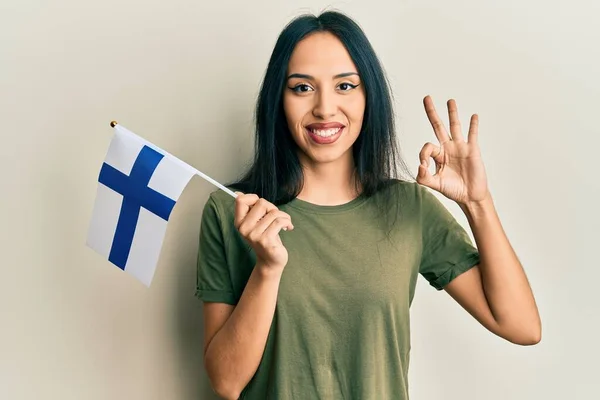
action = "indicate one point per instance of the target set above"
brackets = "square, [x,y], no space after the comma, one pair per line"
[235,337]
[496,292]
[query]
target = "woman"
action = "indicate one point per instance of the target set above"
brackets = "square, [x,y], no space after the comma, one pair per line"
[321,311]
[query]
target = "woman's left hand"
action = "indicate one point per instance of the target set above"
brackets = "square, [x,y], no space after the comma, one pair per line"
[459,171]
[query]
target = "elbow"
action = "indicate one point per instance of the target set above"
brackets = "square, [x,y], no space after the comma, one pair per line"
[528,337]
[533,338]
[526,341]
[534,334]
[226,391]
[224,387]
[523,333]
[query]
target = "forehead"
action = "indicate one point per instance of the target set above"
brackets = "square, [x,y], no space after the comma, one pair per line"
[320,53]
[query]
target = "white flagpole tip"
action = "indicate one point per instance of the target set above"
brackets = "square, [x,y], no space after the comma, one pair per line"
[113,123]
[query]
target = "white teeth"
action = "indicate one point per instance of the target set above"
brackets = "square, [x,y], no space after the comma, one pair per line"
[325,132]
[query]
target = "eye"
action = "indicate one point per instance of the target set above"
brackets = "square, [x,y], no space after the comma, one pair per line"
[345,86]
[301,88]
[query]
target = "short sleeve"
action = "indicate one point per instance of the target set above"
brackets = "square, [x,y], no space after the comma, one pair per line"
[447,249]
[213,274]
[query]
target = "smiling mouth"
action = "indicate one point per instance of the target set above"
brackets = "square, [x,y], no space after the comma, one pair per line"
[325,136]
[324,133]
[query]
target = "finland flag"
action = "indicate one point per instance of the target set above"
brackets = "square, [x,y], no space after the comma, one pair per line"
[138,187]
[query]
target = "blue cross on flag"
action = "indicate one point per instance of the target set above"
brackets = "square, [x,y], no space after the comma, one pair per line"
[138,187]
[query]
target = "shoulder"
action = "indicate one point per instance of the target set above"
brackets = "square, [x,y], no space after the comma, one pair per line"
[413,197]
[219,207]
[420,193]
[405,190]
[221,199]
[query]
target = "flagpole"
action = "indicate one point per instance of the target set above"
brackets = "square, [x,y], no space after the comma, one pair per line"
[202,175]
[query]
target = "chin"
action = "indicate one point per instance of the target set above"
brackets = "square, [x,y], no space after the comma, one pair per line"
[326,156]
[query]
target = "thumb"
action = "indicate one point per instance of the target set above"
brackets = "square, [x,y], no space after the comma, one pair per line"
[424,176]
[422,169]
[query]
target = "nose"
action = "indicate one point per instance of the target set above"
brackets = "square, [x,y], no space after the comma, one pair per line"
[325,105]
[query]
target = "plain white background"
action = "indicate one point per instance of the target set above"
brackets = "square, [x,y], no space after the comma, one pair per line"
[185,75]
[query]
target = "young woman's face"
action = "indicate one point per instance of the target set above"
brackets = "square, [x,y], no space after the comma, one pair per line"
[324,100]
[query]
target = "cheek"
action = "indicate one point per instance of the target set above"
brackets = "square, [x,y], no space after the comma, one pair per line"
[295,110]
[287,107]
[355,110]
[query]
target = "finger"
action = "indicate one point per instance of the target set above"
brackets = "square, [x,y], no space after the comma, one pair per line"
[434,119]
[426,178]
[433,151]
[260,209]
[262,225]
[274,214]
[243,204]
[474,129]
[455,128]
[256,213]
[273,230]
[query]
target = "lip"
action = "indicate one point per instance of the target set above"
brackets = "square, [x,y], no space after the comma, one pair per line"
[325,140]
[325,125]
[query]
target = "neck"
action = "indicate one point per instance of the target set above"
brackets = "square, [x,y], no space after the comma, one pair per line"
[330,183]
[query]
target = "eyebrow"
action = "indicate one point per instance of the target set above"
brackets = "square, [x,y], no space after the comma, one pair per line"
[304,76]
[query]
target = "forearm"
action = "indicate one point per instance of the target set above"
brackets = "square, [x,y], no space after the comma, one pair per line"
[504,282]
[234,353]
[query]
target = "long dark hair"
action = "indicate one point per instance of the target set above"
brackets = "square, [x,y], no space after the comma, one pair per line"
[276,173]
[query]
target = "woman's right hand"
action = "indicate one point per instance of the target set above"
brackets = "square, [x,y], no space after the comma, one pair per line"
[259,223]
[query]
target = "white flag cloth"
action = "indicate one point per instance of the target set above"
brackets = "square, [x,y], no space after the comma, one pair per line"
[138,187]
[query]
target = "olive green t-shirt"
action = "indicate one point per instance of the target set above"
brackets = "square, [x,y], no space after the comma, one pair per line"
[341,326]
